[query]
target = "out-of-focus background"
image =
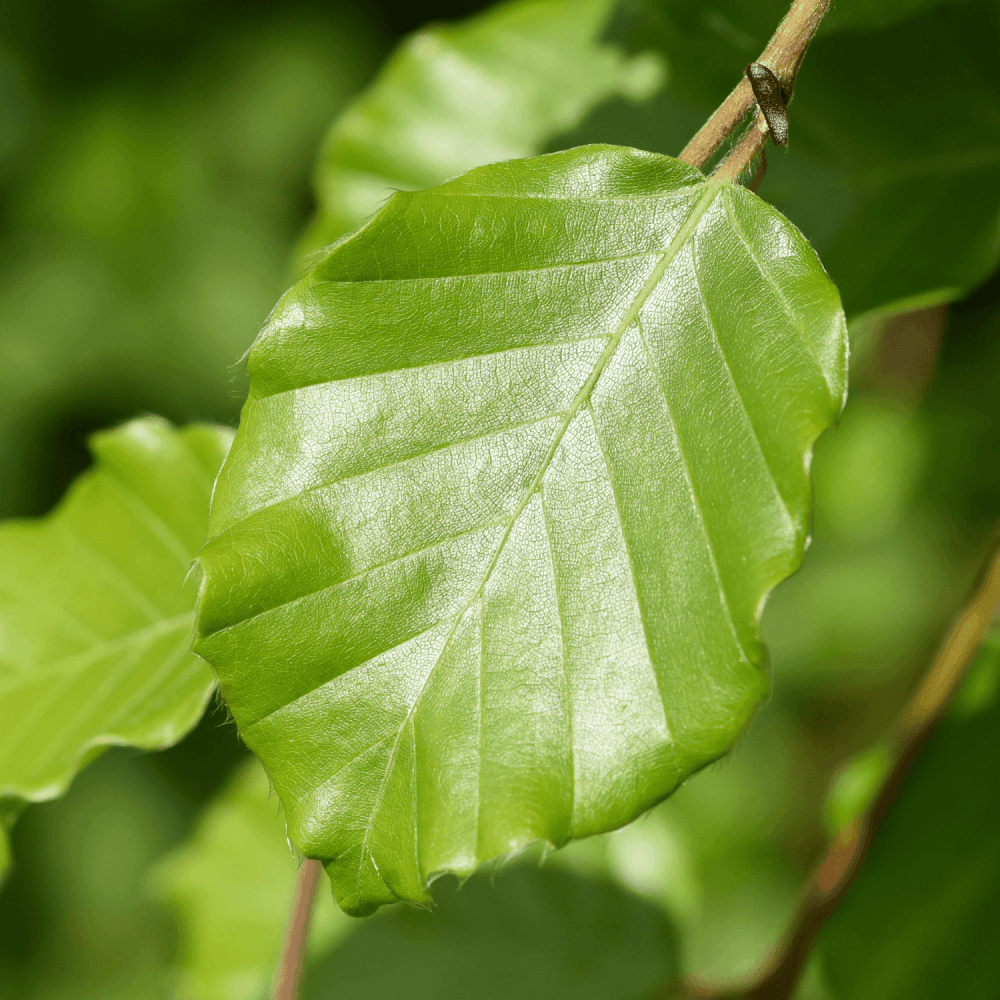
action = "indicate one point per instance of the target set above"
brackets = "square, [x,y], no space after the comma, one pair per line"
[156,161]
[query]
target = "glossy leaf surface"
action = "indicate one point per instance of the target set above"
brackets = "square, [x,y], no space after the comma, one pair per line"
[921,921]
[495,87]
[521,460]
[232,885]
[95,611]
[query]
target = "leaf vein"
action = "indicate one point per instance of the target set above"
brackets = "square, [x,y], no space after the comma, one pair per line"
[695,502]
[360,575]
[565,665]
[463,275]
[736,389]
[708,196]
[632,571]
[785,304]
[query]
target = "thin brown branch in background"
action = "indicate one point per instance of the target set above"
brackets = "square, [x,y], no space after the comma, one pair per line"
[836,871]
[782,56]
[288,979]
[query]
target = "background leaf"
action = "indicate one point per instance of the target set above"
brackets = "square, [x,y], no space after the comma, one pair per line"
[443,588]
[921,920]
[232,885]
[95,611]
[496,87]
[902,212]
[524,932]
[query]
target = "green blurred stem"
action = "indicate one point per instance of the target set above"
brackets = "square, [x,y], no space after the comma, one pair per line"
[836,871]
[782,56]
[288,979]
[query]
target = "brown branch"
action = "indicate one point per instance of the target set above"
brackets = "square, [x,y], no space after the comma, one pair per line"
[782,56]
[835,873]
[288,979]
[751,147]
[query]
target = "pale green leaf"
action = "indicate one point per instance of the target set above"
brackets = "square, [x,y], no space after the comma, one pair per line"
[232,886]
[498,86]
[520,463]
[96,610]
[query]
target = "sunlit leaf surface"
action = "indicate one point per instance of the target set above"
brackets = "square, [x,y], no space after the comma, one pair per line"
[96,612]
[498,86]
[520,463]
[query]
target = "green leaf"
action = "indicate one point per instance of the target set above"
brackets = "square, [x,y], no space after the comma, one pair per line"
[869,15]
[495,87]
[706,44]
[920,921]
[520,463]
[95,612]
[534,934]
[855,787]
[891,171]
[232,926]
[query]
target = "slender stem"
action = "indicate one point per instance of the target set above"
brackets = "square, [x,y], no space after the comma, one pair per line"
[288,980]
[837,870]
[782,56]
[748,149]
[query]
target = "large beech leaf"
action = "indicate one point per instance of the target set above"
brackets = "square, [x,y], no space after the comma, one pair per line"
[231,926]
[521,460]
[497,86]
[96,612]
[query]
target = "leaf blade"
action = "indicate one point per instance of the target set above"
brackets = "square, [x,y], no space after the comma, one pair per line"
[493,87]
[96,617]
[478,571]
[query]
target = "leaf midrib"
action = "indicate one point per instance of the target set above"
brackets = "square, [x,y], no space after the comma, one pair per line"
[712,188]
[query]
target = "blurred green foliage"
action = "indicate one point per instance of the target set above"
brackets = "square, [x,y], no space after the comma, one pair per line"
[525,932]
[147,225]
[154,177]
[858,177]
[77,919]
[920,921]
[232,885]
